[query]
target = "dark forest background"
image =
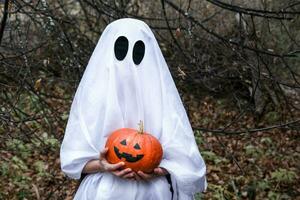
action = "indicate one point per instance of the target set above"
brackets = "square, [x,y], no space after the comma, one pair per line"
[236,65]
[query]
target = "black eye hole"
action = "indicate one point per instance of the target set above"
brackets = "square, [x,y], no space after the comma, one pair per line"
[123,142]
[121,47]
[138,52]
[137,146]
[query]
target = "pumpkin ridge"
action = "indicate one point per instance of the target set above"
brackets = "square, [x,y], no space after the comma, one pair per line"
[152,152]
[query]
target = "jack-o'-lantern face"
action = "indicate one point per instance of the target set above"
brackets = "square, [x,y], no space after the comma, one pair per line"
[127,152]
[138,150]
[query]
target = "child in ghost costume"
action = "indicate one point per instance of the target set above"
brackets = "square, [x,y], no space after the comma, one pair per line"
[128,80]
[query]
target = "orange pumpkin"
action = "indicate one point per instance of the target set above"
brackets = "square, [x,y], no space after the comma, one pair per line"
[139,151]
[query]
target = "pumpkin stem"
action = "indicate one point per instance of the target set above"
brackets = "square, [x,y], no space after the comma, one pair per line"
[141,127]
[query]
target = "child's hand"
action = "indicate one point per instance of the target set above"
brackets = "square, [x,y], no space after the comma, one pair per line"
[114,168]
[159,171]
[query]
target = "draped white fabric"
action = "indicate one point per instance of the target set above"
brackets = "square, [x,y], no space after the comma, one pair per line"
[113,94]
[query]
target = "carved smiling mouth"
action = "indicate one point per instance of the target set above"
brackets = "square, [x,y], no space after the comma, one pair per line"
[128,157]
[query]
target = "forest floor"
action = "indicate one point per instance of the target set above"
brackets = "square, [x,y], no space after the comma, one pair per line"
[260,165]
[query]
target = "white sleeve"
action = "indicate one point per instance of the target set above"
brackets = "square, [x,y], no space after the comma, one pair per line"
[182,158]
[76,149]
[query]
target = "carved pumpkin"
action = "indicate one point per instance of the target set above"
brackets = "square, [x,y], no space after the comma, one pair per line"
[139,151]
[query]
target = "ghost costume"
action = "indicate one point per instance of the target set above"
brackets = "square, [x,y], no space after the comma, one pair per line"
[128,80]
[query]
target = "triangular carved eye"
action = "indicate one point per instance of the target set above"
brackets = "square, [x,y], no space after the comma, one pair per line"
[137,146]
[123,142]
